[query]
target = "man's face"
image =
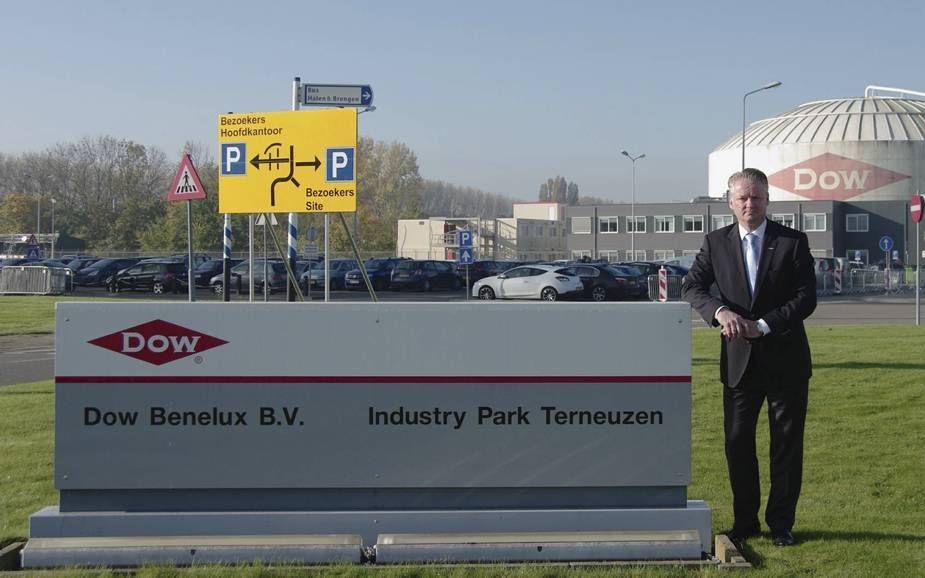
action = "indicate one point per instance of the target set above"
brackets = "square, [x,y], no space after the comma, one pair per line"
[749,203]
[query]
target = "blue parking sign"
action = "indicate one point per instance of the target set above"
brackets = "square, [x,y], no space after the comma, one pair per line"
[234,158]
[339,164]
[465,238]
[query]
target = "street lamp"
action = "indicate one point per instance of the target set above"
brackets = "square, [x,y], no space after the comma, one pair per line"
[774,84]
[633,204]
[53,238]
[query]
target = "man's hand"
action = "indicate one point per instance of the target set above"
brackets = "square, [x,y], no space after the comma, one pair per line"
[737,327]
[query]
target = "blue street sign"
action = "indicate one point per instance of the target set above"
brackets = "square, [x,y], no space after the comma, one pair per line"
[337,95]
[464,256]
[465,238]
[32,252]
[886,243]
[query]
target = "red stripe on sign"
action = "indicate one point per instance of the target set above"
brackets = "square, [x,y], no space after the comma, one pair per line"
[437,379]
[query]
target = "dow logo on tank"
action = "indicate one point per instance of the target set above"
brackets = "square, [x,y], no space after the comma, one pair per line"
[833,177]
[157,342]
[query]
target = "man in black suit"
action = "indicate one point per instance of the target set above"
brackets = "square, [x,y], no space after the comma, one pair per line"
[767,287]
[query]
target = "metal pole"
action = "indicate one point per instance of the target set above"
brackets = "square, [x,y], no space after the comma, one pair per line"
[918,266]
[250,257]
[293,217]
[190,280]
[327,257]
[743,130]
[38,220]
[53,203]
[266,280]
[633,211]
[226,261]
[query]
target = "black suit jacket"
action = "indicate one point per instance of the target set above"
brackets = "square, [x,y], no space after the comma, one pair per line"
[785,295]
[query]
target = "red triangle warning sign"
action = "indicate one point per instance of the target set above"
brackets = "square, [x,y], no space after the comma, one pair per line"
[186,185]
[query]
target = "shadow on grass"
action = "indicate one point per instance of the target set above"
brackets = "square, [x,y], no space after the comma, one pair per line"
[2,392]
[871,365]
[809,536]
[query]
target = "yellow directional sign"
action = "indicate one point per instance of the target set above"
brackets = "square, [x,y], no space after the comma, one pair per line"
[301,161]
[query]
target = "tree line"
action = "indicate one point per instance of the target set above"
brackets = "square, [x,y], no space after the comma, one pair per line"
[110,195]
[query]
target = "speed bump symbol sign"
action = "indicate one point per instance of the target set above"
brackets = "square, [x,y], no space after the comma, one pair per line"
[288,162]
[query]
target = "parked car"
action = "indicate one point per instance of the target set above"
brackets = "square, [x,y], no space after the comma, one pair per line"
[425,276]
[652,268]
[78,263]
[378,270]
[608,282]
[240,277]
[313,277]
[96,274]
[203,274]
[157,276]
[546,282]
[487,268]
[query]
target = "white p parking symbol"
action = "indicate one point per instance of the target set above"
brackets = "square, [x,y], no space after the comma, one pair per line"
[338,161]
[233,159]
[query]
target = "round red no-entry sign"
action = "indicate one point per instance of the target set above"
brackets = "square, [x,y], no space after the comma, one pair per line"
[917,207]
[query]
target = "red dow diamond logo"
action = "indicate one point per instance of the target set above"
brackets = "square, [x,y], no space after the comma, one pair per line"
[157,342]
[833,177]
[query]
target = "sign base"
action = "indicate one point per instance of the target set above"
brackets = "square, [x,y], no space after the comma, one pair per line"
[368,525]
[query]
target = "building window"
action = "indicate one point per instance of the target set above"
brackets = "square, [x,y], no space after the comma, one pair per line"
[693,223]
[639,255]
[690,253]
[784,219]
[609,256]
[820,252]
[640,224]
[856,223]
[580,254]
[814,222]
[720,221]
[608,224]
[552,231]
[539,232]
[526,231]
[664,254]
[581,225]
[664,224]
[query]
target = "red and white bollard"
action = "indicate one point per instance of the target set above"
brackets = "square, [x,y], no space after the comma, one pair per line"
[662,284]
[837,277]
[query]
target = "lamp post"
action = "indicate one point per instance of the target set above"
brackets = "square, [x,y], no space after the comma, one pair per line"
[633,204]
[774,84]
[53,238]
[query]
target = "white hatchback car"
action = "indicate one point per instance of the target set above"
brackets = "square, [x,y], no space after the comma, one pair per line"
[544,282]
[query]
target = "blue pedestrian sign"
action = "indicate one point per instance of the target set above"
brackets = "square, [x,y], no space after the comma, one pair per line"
[886,243]
[32,252]
[464,256]
[465,238]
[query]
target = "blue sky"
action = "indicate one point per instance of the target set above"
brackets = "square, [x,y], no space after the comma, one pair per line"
[496,95]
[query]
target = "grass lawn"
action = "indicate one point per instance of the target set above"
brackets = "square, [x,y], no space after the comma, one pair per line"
[22,314]
[862,512]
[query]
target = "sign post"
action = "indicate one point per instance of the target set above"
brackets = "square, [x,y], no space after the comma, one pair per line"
[917,208]
[464,254]
[187,187]
[886,243]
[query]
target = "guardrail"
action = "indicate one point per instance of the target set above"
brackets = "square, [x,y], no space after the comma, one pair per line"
[32,280]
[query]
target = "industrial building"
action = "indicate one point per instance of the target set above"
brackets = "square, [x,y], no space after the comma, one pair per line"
[843,171]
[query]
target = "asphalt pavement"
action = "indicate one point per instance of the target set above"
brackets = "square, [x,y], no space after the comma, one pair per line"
[28,358]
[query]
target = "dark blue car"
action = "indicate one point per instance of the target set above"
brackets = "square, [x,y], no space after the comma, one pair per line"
[379,271]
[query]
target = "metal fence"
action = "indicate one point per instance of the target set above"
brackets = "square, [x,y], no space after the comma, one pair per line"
[31,280]
[856,281]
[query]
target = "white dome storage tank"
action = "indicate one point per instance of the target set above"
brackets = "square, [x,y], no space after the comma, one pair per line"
[857,149]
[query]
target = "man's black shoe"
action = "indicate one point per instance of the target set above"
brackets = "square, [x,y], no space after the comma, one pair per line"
[738,536]
[783,538]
